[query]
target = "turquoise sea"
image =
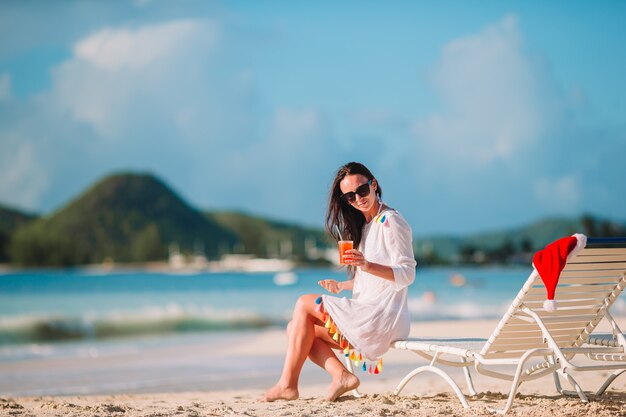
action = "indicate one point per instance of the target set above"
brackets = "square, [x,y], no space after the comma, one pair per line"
[136,331]
[56,306]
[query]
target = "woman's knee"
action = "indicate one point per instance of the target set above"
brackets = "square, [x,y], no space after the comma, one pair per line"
[304,303]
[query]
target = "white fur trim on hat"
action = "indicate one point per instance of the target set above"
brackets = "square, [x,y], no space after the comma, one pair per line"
[550,305]
[581,242]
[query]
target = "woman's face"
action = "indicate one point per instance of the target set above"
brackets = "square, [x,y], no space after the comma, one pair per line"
[350,183]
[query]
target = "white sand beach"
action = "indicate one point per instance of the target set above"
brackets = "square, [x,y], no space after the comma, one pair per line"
[216,395]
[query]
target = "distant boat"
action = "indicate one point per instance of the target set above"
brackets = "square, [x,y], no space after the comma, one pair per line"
[176,260]
[248,263]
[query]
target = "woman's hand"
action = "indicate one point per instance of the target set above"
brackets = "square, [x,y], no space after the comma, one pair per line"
[353,257]
[331,285]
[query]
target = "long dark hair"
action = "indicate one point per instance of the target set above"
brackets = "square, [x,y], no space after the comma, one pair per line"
[341,214]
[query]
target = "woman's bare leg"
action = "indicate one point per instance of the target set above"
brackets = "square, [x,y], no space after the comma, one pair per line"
[300,340]
[322,355]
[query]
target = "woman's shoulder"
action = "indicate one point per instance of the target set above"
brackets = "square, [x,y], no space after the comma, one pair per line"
[392,217]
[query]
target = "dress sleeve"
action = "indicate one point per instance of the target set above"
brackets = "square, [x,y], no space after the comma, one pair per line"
[400,241]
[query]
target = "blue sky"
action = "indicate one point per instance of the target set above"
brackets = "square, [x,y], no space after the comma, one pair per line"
[473,115]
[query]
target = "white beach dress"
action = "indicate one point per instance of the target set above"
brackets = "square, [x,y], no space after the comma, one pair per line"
[377,314]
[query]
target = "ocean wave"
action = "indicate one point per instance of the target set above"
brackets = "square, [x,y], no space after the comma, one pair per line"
[427,308]
[39,328]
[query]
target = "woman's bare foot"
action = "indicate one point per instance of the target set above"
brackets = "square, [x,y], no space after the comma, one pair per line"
[278,392]
[341,385]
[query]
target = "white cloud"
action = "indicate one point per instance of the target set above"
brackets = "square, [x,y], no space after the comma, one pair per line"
[5,87]
[117,49]
[297,154]
[117,74]
[183,108]
[502,139]
[23,179]
[153,98]
[494,99]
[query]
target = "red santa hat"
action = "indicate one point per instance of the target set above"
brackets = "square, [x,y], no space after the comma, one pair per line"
[549,263]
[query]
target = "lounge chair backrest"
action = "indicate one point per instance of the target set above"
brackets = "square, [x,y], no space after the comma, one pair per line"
[589,284]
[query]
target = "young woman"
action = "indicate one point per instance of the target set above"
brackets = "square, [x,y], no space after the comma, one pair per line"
[380,269]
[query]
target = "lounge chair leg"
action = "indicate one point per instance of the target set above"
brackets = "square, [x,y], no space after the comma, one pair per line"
[555,375]
[435,370]
[468,379]
[355,392]
[514,386]
[516,383]
[557,384]
[579,390]
[609,381]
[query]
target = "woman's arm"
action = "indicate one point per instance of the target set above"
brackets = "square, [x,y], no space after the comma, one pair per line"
[355,258]
[398,241]
[335,287]
[347,285]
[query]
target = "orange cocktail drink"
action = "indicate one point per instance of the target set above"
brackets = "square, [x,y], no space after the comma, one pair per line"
[344,245]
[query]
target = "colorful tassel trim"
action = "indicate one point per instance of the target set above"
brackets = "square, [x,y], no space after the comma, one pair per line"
[355,357]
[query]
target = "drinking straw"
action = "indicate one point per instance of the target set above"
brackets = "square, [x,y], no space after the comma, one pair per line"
[338,232]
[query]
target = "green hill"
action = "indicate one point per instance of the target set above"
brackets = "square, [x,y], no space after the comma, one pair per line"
[269,238]
[135,217]
[511,245]
[10,221]
[125,217]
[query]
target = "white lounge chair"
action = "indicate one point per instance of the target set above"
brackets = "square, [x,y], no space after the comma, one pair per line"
[588,286]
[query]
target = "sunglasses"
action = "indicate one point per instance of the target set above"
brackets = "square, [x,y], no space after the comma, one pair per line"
[362,190]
